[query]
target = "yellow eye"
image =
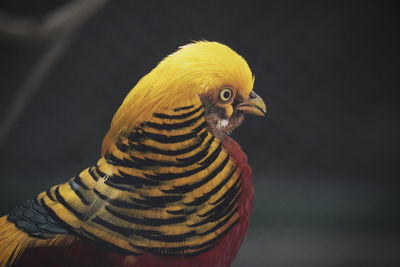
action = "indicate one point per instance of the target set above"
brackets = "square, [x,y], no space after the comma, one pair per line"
[225,94]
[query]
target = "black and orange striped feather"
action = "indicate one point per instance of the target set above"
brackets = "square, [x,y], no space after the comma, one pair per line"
[173,189]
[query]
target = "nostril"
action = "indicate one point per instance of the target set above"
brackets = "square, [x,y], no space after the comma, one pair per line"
[253,95]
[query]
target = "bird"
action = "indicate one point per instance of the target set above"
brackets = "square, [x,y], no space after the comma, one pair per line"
[171,187]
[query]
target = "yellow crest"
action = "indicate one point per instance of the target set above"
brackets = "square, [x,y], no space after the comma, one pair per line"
[177,81]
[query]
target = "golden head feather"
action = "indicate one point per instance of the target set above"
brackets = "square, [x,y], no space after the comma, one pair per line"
[178,80]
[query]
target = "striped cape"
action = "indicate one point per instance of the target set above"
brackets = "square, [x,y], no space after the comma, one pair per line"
[167,188]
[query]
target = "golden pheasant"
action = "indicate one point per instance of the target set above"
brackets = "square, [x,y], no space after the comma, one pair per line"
[170,189]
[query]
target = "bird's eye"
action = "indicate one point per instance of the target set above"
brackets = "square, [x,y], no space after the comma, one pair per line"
[225,94]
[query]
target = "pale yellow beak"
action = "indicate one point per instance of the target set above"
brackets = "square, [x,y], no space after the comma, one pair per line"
[253,105]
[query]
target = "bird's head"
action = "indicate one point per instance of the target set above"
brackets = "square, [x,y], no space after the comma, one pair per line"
[206,72]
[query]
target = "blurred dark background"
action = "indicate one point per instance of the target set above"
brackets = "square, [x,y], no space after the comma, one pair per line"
[324,160]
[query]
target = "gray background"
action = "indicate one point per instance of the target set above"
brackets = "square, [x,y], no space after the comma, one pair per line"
[324,159]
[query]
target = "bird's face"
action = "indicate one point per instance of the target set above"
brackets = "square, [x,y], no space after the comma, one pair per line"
[225,108]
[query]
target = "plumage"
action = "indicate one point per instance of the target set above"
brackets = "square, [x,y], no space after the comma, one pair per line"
[170,189]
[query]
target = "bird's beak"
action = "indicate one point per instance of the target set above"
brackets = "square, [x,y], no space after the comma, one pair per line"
[253,105]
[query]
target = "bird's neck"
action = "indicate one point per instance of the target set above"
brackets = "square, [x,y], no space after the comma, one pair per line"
[174,166]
